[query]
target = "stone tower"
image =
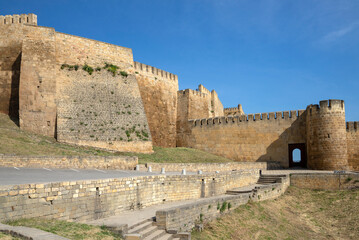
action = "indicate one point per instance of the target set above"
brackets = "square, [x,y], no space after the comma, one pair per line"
[326,136]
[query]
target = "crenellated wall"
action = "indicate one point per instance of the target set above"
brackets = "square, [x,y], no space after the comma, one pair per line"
[352,144]
[12,32]
[236,111]
[252,137]
[158,90]
[18,19]
[56,84]
[194,104]
[60,102]
[11,37]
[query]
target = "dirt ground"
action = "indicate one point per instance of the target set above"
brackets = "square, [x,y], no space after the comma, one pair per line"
[298,214]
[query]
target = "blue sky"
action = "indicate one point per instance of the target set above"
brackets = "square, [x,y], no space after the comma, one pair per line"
[266,55]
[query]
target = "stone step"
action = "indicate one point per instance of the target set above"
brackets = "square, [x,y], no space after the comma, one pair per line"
[272,178]
[148,231]
[140,223]
[167,236]
[156,235]
[141,227]
[234,192]
[264,183]
[274,175]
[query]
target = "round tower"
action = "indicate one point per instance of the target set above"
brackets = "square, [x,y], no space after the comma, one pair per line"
[326,136]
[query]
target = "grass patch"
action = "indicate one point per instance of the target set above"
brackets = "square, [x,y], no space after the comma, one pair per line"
[71,230]
[178,155]
[13,140]
[321,215]
[4,236]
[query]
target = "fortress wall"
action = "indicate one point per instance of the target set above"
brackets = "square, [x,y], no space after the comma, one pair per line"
[326,136]
[194,104]
[74,50]
[99,109]
[11,36]
[37,94]
[88,162]
[102,110]
[159,96]
[92,199]
[236,111]
[249,138]
[325,181]
[182,129]
[216,105]
[18,19]
[191,105]
[353,146]
[207,167]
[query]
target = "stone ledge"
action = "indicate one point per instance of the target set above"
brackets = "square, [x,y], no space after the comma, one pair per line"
[29,233]
[81,162]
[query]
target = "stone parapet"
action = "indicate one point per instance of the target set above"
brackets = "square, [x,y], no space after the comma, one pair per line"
[188,216]
[325,181]
[93,199]
[207,167]
[89,162]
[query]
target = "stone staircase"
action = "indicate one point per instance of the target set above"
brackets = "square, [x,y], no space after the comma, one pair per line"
[269,179]
[263,180]
[147,230]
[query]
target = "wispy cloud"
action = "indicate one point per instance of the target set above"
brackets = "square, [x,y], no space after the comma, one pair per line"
[334,35]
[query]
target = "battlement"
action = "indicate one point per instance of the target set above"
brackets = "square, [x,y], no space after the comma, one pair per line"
[327,105]
[155,71]
[257,117]
[193,92]
[202,89]
[352,126]
[19,19]
[234,109]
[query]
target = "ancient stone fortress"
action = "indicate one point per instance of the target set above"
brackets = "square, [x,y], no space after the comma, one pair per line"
[91,93]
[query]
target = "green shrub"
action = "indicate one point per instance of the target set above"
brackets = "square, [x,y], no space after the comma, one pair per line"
[144,133]
[87,69]
[223,207]
[111,68]
[348,179]
[124,74]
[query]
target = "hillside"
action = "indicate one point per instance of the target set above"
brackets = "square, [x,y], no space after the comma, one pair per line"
[298,214]
[13,140]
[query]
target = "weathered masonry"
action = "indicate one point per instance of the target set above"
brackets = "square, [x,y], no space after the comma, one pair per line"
[320,133]
[93,199]
[92,93]
[58,85]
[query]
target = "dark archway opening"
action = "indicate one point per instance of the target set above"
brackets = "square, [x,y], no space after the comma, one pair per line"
[297,155]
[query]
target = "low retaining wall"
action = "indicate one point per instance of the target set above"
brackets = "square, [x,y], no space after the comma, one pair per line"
[93,199]
[207,167]
[99,162]
[186,217]
[325,181]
